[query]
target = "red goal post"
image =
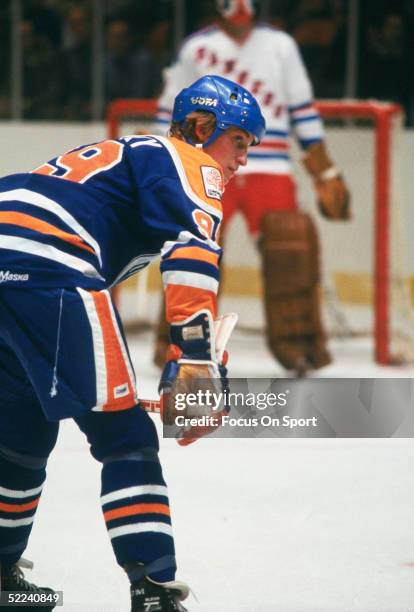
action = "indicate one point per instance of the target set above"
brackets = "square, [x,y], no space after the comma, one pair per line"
[123,109]
[381,115]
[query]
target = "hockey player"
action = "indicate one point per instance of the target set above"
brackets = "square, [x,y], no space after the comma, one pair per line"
[267,62]
[69,230]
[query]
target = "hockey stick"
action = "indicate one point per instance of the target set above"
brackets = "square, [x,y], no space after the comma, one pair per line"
[150,405]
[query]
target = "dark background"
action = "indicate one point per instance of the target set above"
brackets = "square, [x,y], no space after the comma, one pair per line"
[141,37]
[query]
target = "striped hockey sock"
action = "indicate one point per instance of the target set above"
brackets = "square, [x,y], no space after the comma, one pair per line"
[20,489]
[137,515]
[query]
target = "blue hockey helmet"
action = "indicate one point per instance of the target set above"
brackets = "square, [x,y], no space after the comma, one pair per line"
[231,104]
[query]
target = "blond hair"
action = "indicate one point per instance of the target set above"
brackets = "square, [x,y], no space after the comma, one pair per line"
[186,130]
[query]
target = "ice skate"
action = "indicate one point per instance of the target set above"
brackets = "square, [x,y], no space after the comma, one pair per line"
[12,579]
[150,596]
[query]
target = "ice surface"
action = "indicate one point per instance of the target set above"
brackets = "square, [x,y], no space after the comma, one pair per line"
[262,525]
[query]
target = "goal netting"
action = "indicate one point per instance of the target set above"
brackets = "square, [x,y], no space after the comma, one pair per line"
[366,281]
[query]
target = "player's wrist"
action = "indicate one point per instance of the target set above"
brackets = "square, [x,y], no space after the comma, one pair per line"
[328,174]
[193,339]
[319,164]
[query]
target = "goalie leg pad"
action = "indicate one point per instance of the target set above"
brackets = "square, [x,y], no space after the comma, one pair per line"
[290,263]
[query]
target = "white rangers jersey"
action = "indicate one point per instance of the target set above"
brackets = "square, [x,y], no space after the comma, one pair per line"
[268,63]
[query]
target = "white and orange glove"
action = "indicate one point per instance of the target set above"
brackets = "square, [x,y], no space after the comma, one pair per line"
[196,361]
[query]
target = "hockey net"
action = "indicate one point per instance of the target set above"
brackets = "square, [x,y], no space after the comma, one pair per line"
[366,284]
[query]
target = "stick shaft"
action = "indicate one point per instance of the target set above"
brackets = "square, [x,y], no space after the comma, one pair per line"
[150,405]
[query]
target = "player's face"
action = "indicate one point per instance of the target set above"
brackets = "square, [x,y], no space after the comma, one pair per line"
[230,150]
[237,12]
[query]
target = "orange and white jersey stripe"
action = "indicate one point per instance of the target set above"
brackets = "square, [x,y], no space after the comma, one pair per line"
[95,215]
[115,379]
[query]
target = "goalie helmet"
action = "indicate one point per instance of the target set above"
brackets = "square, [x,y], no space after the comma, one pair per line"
[239,12]
[231,104]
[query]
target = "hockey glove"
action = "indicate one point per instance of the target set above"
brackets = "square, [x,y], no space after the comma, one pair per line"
[332,193]
[333,198]
[194,381]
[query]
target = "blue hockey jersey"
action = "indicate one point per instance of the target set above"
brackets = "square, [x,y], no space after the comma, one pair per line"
[99,213]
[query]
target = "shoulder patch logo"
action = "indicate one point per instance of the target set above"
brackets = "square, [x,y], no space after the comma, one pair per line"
[213,182]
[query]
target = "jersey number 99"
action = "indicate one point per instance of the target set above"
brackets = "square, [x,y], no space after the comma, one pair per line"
[81,164]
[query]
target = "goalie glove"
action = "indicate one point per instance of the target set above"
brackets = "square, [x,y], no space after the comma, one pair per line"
[332,193]
[196,364]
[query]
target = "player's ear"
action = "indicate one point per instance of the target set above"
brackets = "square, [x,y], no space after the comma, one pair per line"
[202,131]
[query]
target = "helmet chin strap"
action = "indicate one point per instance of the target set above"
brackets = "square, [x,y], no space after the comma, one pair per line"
[202,145]
[217,132]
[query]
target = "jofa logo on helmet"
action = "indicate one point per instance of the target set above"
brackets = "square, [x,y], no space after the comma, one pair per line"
[204,101]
